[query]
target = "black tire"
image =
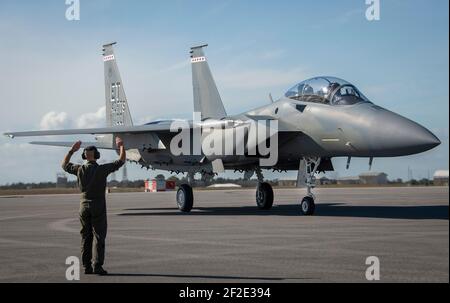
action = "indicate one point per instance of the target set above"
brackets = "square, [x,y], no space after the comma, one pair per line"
[185,198]
[307,206]
[264,196]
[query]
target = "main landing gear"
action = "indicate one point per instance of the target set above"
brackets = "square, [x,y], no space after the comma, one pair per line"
[264,192]
[264,195]
[185,195]
[185,198]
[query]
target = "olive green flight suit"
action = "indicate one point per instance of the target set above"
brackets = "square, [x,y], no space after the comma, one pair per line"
[92,183]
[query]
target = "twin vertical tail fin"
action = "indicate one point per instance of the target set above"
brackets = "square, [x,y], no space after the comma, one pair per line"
[117,111]
[206,96]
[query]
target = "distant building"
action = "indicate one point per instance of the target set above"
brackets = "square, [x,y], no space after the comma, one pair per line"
[373,178]
[348,180]
[440,178]
[61,180]
[326,181]
[287,183]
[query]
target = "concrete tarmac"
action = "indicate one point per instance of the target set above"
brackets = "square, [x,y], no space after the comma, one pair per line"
[227,239]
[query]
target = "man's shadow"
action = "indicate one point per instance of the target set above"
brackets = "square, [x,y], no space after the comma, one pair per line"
[205,277]
[428,212]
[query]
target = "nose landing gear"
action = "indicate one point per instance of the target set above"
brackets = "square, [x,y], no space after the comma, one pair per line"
[307,170]
[308,206]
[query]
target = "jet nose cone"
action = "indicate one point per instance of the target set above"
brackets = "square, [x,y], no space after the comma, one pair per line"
[405,137]
[419,137]
[425,138]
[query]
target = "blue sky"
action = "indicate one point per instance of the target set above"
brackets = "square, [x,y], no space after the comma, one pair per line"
[51,65]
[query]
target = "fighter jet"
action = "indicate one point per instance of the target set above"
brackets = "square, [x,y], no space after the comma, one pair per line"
[316,120]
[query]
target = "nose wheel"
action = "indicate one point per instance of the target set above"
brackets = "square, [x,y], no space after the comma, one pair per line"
[307,206]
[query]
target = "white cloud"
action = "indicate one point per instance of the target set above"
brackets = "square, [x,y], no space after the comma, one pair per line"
[54,120]
[92,120]
[61,120]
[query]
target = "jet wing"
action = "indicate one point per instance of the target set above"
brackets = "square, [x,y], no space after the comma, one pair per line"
[260,117]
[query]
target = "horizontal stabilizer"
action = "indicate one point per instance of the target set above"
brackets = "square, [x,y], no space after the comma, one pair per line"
[94,131]
[100,145]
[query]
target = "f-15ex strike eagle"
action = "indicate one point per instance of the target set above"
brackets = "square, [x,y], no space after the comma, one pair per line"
[316,120]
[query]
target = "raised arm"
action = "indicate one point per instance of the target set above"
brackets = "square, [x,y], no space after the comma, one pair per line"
[113,166]
[122,155]
[75,148]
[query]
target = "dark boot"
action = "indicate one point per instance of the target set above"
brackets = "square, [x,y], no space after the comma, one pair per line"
[98,270]
[88,270]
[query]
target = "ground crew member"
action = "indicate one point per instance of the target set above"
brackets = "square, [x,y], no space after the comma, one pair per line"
[92,183]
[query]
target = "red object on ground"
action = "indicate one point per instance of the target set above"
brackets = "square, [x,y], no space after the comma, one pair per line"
[156,185]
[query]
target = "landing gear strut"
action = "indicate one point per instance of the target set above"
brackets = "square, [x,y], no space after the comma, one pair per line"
[309,167]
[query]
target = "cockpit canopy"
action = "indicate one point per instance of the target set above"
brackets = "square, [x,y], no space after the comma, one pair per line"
[327,90]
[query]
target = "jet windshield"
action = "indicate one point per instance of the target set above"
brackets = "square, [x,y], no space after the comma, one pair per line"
[327,90]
